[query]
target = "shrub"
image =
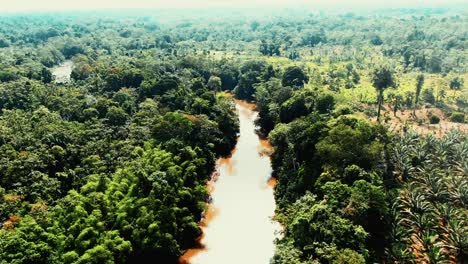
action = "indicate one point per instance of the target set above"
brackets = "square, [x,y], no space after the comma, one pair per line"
[342,110]
[325,103]
[433,119]
[457,117]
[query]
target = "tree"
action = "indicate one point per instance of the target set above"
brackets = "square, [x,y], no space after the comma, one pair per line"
[162,86]
[251,73]
[419,86]
[4,43]
[269,48]
[214,84]
[314,37]
[116,116]
[46,75]
[456,83]
[293,108]
[376,40]
[81,72]
[254,25]
[428,96]
[397,101]
[325,103]
[294,76]
[382,78]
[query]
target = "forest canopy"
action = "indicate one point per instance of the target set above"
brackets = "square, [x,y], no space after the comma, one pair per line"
[366,114]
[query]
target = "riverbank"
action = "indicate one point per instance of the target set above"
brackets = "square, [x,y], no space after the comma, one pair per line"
[239,218]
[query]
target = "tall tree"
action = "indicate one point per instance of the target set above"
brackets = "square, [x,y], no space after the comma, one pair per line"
[382,78]
[419,86]
[294,76]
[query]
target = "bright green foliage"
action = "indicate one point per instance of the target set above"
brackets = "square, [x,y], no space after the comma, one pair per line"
[28,243]
[111,167]
[336,159]
[350,142]
[321,233]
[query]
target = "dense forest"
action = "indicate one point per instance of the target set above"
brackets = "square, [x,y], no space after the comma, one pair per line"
[367,115]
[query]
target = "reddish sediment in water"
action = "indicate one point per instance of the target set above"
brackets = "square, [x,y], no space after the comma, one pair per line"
[237,225]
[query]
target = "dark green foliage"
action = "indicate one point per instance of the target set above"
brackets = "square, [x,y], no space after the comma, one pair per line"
[314,37]
[419,86]
[112,167]
[7,75]
[291,109]
[428,96]
[456,83]
[294,76]
[251,73]
[164,85]
[376,40]
[269,48]
[458,117]
[214,83]
[70,50]
[336,159]
[433,119]
[81,72]
[325,103]
[4,43]
[118,78]
[46,75]
[116,116]
[382,78]
[350,142]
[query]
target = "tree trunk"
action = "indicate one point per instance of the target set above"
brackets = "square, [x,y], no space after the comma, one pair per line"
[416,101]
[379,102]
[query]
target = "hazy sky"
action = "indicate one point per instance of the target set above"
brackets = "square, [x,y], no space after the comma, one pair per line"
[49,5]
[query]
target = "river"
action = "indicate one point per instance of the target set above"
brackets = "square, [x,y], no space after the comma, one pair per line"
[62,72]
[238,227]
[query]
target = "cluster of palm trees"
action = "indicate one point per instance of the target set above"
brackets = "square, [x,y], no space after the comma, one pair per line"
[430,211]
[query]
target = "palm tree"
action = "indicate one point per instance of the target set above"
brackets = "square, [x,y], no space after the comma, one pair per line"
[398,236]
[456,240]
[445,212]
[434,254]
[458,191]
[413,205]
[399,253]
[402,162]
[382,78]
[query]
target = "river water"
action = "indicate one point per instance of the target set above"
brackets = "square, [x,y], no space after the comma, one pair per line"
[238,226]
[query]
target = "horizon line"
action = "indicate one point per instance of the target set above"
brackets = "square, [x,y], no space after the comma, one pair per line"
[304,8]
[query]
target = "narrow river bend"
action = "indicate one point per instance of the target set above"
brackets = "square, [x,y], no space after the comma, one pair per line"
[238,227]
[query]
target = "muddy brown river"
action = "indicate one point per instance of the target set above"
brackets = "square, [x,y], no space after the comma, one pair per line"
[238,227]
